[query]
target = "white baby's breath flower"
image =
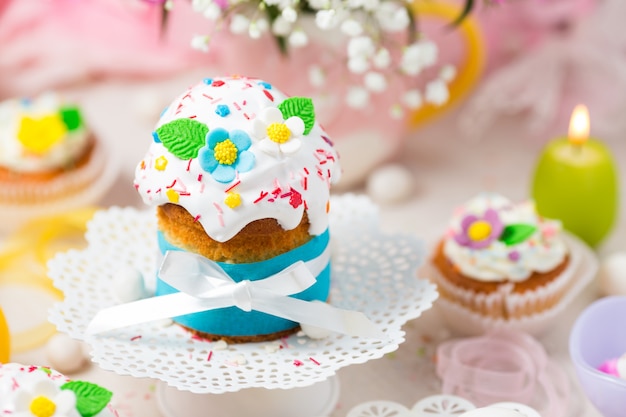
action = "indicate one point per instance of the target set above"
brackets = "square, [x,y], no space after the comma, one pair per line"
[351,27]
[354,4]
[213,12]
[281,27]
[437,92]
[382,58]
[326,19]
[392,17]
[200,43]
[361,46]
[257,28]
[289,14]
[375,81]
[371,5]
[298,38]
[447,73]
[317,77]
[239,24]
[357,97]
[412,99]
[319,4]
[396,112]
[358,65]
[200,5]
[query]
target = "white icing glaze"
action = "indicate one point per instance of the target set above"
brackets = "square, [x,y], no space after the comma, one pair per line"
[16,157]
[265,189]
[541,252]
[21,380]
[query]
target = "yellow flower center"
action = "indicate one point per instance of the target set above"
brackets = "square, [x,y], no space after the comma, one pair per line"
[278,132]
[479,230]
[42,407]
[225,152]
[232,200]
[39,135]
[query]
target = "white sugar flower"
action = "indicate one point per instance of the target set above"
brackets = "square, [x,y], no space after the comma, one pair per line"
[412,99]
[392,17]
[437,92]
[45,399]
[429,53]
[357,97]
[200,43]
[375,81]
[358,65]
[239,24]
[298,38]
[278,136]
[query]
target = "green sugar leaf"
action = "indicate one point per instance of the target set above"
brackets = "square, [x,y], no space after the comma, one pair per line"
[516,233]
[90,398]
[301,107]
[183,137]
[71,117]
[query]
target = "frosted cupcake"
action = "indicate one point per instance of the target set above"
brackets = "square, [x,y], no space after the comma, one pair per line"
[502,260]
[40,391]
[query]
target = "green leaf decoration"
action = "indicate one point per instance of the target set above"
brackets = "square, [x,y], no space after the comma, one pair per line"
[183,137]
[516,233]
[301,107]
[90,398]
[71,117]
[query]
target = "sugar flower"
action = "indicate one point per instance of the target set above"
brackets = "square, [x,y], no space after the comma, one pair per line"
[276,135]
[478,232]
[45,399]
[226,153]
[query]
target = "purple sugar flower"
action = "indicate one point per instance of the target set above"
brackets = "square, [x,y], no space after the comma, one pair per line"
[478,232]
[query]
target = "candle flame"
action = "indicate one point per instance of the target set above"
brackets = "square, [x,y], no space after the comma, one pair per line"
[579,125]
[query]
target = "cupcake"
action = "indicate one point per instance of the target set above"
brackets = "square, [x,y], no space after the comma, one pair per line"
[501,260]
[240,174]
[41,391]
[49,157]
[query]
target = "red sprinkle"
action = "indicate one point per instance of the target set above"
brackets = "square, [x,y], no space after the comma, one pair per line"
[199,177]
[208,358]
[261,197]
[296,362]
[232,186]
[132,339]
[268,95]
[193,116]
[209,97]
[314,361]
[189,164]
[170,186]
[195,219]
[217,83]
[246,116]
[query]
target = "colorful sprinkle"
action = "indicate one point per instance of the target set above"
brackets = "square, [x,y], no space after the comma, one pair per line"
[161,163]
[232,200]
[155,137]
[222,110]
[297,362]
[172,196]
[265,85]
[208,81]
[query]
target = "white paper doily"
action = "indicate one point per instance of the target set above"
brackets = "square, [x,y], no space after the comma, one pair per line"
[372,273]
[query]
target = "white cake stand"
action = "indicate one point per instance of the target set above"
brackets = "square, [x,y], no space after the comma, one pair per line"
[372,273]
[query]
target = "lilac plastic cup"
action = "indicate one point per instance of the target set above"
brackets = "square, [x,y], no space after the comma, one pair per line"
[599,334]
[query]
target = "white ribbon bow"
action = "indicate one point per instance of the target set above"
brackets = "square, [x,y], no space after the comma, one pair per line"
[203,286]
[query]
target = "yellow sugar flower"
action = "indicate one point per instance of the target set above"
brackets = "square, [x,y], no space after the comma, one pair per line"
[38,135]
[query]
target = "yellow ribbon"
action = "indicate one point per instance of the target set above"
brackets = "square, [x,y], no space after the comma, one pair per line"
[24,257]
[469,71]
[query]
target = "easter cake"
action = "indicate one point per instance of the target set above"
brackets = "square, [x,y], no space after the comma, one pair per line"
[47,151]
[41,391]
[240,174]
[502,260]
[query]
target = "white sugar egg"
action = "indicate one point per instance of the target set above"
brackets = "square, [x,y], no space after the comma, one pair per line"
[65,354]
[612,274]
[390,183]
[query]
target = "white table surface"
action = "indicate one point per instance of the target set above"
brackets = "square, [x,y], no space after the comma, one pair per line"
[447,170]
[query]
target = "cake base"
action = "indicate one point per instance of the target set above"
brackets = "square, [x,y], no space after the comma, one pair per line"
[315,400]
